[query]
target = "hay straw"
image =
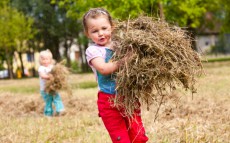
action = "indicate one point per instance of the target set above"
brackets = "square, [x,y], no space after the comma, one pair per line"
[155,58]
[58,79]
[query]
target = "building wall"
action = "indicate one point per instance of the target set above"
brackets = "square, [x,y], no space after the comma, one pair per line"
[205,42]
[227,43]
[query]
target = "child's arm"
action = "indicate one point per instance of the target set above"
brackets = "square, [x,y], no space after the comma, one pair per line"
[44,75]
[104,68]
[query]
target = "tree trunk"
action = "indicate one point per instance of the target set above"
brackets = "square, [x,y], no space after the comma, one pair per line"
[52,43]
[33,67]
[22,65]
[9,64]
[84,64]
[192,34]
[67,47]
[160,6]
[9,68]
[55,49]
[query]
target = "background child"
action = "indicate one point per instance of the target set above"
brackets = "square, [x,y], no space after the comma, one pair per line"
[98,27]
[46,65]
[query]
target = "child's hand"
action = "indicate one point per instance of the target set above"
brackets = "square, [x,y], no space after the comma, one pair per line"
[50,76]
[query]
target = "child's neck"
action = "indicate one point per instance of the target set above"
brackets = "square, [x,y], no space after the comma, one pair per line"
[108,45]
[47,65]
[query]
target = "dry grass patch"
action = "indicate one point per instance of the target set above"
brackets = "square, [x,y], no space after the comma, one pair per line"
[203,119]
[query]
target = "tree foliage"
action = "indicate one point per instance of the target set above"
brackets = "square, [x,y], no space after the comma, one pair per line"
[185,13]
[59,21]
[224,15]
[190,14]
[14,26]
[54,27]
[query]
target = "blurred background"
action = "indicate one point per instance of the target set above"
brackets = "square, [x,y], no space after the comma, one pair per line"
[29,26]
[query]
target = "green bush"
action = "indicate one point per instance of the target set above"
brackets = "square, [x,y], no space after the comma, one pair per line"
[75,67]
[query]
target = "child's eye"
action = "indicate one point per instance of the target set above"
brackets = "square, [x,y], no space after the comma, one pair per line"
[94,31]
[104,28]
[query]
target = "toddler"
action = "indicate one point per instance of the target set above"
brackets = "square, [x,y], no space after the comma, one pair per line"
[46,65]
[98,26]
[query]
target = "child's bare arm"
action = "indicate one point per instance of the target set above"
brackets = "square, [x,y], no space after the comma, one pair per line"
[44,75]
[104,68]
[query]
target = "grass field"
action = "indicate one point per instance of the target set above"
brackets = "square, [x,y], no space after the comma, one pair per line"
[205,118]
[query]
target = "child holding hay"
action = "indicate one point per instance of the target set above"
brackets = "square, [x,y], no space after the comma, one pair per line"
[98,27]
[46,60]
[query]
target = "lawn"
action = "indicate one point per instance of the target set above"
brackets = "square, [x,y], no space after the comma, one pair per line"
[201,118]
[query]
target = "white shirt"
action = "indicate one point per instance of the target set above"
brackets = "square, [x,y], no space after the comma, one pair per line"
[44,70]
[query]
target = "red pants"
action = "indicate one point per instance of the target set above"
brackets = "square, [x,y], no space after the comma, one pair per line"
[121,129]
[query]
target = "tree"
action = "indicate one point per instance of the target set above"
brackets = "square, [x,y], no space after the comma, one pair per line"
[25,34]
[11,30]
[224,15]
[45,21]
[183,13]
[54,27]
[78,8]
[188,14]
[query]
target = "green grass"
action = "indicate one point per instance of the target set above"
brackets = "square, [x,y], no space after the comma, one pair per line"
[16,89]
[19,88]
[217,59]
[85,85]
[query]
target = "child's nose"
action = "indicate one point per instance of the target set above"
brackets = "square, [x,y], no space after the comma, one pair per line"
[100,33]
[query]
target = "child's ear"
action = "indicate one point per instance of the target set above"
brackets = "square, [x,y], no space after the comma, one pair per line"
[86,34]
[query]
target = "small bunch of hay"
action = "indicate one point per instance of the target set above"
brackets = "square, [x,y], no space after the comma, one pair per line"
[155,59]
[58,79]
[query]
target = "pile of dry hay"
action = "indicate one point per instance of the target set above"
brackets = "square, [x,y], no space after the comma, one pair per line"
[155,58]
[58,79]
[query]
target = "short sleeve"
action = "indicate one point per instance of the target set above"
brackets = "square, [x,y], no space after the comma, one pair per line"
[93,52]
[41,69]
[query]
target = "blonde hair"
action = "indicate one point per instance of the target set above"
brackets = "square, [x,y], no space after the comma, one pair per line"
[45,53]
[94,13]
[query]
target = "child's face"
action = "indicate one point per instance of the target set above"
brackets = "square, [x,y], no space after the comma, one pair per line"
[45,60]
[99,30]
